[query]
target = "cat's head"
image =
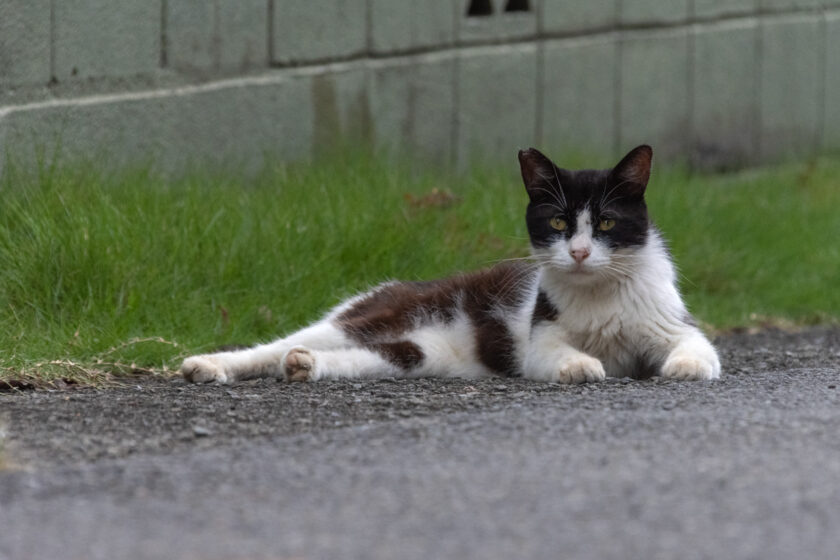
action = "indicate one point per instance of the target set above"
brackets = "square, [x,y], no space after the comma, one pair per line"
[586,224]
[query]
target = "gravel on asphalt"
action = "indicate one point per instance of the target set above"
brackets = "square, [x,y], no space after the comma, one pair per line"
[743,467]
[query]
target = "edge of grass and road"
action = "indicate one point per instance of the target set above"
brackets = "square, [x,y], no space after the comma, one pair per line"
[104,274]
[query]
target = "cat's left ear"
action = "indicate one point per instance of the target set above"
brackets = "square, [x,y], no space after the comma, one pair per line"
[632,173]
[538,172]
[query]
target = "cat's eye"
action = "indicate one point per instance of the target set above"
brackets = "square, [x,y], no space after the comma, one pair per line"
[558,223]
[606,225]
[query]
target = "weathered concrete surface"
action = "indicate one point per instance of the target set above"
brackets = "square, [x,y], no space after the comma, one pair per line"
[792,68]
[99,38]
[724,117]
[24,42]
[637,12]
[717,8]
[409,26]
[316,31]
[415,106]
[745,467]
[579,88]
[282,116]
[654,93]
[571,17]
[487,125]
[218,37]
[709,82]
[497,26]
[831,126]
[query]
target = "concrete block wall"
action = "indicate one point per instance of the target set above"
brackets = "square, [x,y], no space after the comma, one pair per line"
[176,83]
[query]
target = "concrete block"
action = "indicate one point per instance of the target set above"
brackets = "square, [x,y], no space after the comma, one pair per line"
[499,25]
[243,34]
[406,26]
[318,30]
[573,17]
[341,109]
[217,36]
[716,8]
[580,96]
[191,35]
[831,140]
[654,91]
[497,107]
[242,125]
[415,106]
[95,38]
[640,12]
[725,90]
[173,130]
[790,86]
[783,5]
[24,42]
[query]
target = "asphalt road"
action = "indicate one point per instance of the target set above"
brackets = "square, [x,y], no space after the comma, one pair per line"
[744,467]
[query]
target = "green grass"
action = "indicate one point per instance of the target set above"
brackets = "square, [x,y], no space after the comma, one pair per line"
[104,273]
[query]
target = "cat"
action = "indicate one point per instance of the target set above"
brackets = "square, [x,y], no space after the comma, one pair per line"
[597,298]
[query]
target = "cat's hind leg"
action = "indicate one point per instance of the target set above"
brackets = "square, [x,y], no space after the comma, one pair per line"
[391,359]
[265,360]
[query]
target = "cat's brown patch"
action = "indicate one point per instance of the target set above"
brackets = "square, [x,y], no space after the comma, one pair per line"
[496,346]
[395,309]
[404,353]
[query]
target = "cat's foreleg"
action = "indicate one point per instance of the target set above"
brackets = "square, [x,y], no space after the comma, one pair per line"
[549,358]
[690,356]
[265,360]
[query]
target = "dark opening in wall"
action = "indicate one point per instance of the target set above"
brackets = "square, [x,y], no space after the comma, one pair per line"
[480,8]
[518,6]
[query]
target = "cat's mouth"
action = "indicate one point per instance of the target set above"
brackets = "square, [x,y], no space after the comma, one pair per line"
[582,269]
[578,270]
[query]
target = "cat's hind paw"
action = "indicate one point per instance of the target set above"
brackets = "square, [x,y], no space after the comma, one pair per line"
[690,368]
[202,369]
[581,369]
[299,365]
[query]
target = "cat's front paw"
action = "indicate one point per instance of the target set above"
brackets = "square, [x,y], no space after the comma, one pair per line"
[691,368]
[203,369]
[299,365]
[581,369]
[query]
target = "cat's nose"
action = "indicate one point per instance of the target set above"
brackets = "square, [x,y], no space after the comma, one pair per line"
[581,254]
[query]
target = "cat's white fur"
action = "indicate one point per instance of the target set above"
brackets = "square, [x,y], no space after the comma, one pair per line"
[612,306]
[631,304]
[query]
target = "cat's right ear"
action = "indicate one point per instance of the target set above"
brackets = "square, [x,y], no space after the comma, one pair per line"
[538,172]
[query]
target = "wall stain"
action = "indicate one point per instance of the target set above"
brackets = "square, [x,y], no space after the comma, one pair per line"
[327,120]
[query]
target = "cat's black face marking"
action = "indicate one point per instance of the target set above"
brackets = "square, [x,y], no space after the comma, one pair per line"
[613,195]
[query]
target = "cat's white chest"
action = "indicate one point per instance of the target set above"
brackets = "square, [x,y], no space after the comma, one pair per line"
[606,329]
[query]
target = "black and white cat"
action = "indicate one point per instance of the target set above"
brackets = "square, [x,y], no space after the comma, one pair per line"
[600,298]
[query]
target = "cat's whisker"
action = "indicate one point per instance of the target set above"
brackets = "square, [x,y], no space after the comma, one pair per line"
[550,205]
[560,202]
[614,273]
[628,270]
[604,203]
[526,260]
[559,186]
[515,279]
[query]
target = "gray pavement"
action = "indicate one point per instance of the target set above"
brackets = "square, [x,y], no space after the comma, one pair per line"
[745,467]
